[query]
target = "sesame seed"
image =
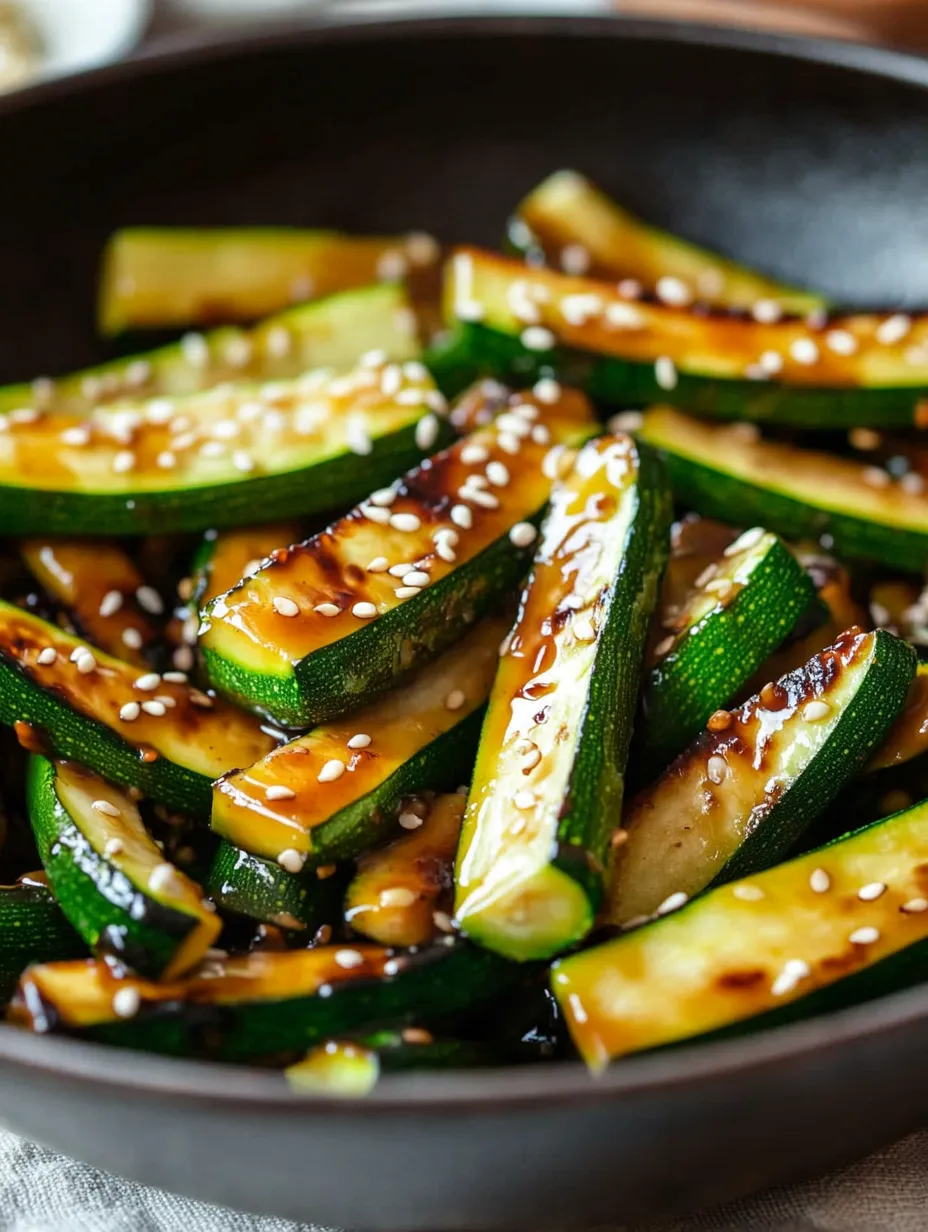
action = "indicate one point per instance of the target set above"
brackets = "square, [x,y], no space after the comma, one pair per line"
[473,454]
[841,341]
[665,372]
[291,861]
[414,371]
[912,483]
[197,698]
[284,606]
[813,711]
[148,682]
[804,351]
[469,310]
[509,442]
[410,821]
[327,609]
[547,390]
[893,329]
[113,847]
[226,430]
[477,497]
[159,410]
[186,440]
[111,602]
[107,809]
[673,903]
[876,477]
[86,663]
[447,534]
[462,516]
[819,881]
[766,311]
[455,700]
[47,657]
[537,338]
[195,350]
[378,565]
[794,970]
[361,741]
[673,291]
[445,551]
[397,896]
[332,770]
[364,610]
[623,316]
[278,341]
[771,362]
[166,700]
[163,877]
[748,893]
[864,936]
[374,513]
[182,658]
[523,534]
[243,461]
[407,592]
[575,259]
[872,890]
[416,577]
[749,539]
[717,769]
[126,1002]
[76,436]
[383,497]
[174,677]
[130,712]
[149,600]
[915,906]
[426,432]
[578,309]
[664,646]
[155,708]
[498,474]
[238,351]
[524,799]
[123,461]
[132,638]
[399,571]
[277,791]
[348,958]
[407,522]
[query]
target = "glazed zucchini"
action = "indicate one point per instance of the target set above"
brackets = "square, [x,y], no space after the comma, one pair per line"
[214,458]
[739,610]
[137,729]
[259,1004]
[550,770]
[353,1067]
[799,493]
[110,878]
[332,793]
[344,1068]
[103,592]
[332,332]
[836,913]
[908,736]
[247,885]
[164,277]
[568,223]
[225,557]
[854,370]
[33,929]
[741,794]
[350,612]
[402,894]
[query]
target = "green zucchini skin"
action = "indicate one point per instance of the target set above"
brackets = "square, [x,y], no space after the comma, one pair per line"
[248,885]
[351,1068]
[713,657]
[33,929]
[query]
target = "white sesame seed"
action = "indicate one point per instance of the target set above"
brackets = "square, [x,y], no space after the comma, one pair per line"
[166,700]
[126,1002]
[673,291]
[748,893]
[197,698]
[360,741]
[813,711]
[327,609]
[469,310]
[447,534]
[349,958]
[912,483]
[537,338]
[523,534]
[841,341]
[149,600]
[876,477]
[477,497]
[277,791]
[86,663]
[665,372]
[445,551]
[414,371]
[182,658]
[383,497]
[462,516]
[226,430]
[111,602]
[864,936]
[243,461]
[524,308]
[455,700]
[278,341]
[717,769]
[123,461]
[407,592]
[174,677]
[575,259]
[893,329]
[148,682]
[524,799]
[578,309]
[771,362]
[195,350]
[498,474]
[410,821]
[113,847]
[749,539]
[407,522]
[284,606]
[442,921]
[673,903]
[155,708]
[332,770]
[159,410]
[373,359]
[212,449]
[76,436]
[378,565]
[547,390]
[291,861]
[397,896]
[473,454]
[130,712]
[509,442]
[664,646]
[416,577]
[185,441]
[804,351]
[426,432]
[374,513]
[132,638]
[107,809]
[872,890]
[47,657]
[238,351]
[915,906]
[364,610]
[766,311]
[163,877]
[794,970]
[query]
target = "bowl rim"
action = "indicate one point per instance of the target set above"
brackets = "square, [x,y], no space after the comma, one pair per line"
[224,1087]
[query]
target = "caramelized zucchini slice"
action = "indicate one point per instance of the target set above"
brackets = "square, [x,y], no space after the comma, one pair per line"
[836,914]
[109,876]
[741,794]
[225,557]
[568,223]
[908,736]
[247,885]
[350,612]
[136,728]
[550,771]
[353,1067]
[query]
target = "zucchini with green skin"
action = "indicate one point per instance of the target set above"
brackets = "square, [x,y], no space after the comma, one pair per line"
[798,931]
[742,793]
[338,790]
[850,371]
[213,458]
[332,332]
[352,1068]
[225,557]
[550,770]
[402,894]
[248,885]
[259,1004]
[33,929]
[167,277]
[738,612]
[908,736]
[799,493]
[350,612]
[568,223]
[134,727]
[99,585]
[109,877]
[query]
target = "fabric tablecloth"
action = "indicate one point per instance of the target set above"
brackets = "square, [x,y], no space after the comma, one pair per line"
[44,1192]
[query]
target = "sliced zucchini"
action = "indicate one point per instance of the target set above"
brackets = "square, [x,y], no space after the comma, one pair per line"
[213,458]
[799,493]
[110,878]
[225,557]
[550,771]
[739,610]
[908,736]
[248,885]
[318,631]
[260,1004]
[344,1068]
[66,699]
[741,794]
[164,277]
[99,585]
[33,929]
[336,791]
[755,946]
[332,332]
[568,223]
[853,370]
[353,1067]
[402,894]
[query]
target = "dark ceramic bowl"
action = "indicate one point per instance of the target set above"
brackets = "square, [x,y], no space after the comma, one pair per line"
[810,159]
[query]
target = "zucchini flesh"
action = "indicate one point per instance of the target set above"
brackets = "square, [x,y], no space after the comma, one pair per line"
[98,583]
[213,458]
[754,946]
[737,613]
[260,889]
[110,878]
[401,895]
[908,736]
[351,1068]
[337,1067]
[422,735]
[567,221]
[527,321]
[33,929]
[331,332]
[263,1003]
[225,557]
[172,756]
[549,778]
[164,277]
[358,631]
[740,795]
[799,493]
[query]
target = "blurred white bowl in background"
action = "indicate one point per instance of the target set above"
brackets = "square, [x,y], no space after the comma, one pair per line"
[80,34]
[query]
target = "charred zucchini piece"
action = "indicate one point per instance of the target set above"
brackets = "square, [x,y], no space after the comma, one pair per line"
[248,885]
[549,779]
[739,797]
[225,557]
[908,736]
[33,929]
